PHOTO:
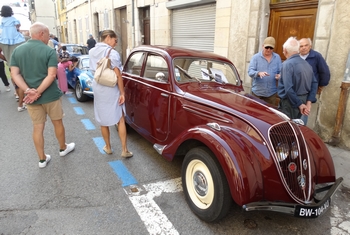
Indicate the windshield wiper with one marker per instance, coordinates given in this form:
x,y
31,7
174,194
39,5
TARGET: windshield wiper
x,y
209,75
185,72
213,78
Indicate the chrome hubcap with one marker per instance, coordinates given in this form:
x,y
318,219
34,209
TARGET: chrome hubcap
x,y
200,183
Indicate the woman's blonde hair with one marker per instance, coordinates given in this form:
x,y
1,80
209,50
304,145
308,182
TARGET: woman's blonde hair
x,y
107,32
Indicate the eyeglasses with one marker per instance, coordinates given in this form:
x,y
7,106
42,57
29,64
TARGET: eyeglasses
x,y
271,48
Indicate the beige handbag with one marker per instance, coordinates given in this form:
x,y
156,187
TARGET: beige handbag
x,y
104,75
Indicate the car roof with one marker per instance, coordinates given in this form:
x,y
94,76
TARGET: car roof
x,y
83,56
174,51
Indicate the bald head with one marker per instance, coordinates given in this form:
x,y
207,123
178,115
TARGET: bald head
x,y
305,46
39,31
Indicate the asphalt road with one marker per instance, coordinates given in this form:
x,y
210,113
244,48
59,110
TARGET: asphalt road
x,y
88,192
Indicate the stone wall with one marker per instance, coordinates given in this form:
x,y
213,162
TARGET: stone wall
x,y
240,28
333,42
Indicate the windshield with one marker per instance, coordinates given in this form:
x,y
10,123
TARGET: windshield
x,y
76,49
204,70
85,63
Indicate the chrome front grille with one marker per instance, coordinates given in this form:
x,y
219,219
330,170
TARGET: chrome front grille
x,y
292,160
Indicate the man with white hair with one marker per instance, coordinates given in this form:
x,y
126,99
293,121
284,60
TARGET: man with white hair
x,y
318,64
298,86
42,93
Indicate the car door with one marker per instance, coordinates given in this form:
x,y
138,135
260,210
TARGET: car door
x,y
72,76
151,99
131,78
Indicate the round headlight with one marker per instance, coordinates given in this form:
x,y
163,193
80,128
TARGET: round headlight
x,y
282,151
294,152
88,82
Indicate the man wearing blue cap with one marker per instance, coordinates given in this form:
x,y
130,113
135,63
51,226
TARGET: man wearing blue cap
x,y
91,42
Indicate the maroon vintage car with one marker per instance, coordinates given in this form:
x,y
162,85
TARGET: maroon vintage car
x,y
192,104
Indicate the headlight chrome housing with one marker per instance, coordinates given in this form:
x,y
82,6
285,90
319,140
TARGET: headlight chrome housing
x,y
282,151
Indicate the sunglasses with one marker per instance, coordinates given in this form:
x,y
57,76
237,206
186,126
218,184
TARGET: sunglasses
x,y
271,48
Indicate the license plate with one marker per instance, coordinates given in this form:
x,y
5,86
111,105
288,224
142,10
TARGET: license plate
x,y
312,211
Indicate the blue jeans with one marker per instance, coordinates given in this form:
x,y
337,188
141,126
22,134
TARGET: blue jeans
x,y
304,118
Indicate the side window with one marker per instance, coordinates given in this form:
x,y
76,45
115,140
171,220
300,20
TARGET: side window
x,y
156,68
134,64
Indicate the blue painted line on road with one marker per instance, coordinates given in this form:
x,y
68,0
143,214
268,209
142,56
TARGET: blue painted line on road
x,y
88,124
100,143
123,173
79,110
72,100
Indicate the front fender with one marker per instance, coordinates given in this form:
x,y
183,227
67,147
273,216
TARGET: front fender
x,y
239,163
325,171
85,82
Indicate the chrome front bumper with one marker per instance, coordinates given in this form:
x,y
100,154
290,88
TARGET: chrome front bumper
x,y
88,92
313,210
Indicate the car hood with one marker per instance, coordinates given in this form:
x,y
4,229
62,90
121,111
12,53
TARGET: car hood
x,y
88,72
234,100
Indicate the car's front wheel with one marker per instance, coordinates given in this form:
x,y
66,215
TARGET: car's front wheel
x,y
81,97
205,186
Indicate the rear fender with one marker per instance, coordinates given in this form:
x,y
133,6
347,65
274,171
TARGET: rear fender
x,y
239,163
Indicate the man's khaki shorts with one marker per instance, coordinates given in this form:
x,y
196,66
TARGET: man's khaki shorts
x,y
38,112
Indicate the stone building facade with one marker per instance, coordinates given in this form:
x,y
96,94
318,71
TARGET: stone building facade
x,y
232,28
45,12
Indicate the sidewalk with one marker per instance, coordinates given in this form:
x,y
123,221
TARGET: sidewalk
x,y
341,159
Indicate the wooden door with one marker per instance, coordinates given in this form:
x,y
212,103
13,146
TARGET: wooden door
x,y
146,26
124,33
292,19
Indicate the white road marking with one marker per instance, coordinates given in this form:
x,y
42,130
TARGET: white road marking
x,y
158,223
154,219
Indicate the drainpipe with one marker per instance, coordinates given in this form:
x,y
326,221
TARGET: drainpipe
x,y
91,28
55,20
133,25
113,17
343,99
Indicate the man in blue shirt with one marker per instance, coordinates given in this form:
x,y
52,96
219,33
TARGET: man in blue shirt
x,y
56,44
318,64
264,69
298,86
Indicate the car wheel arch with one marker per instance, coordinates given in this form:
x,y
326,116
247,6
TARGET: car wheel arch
x,y
234,166
79,95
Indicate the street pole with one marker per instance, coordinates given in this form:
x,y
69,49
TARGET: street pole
x,y
343,99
